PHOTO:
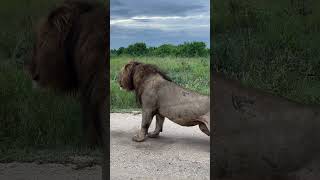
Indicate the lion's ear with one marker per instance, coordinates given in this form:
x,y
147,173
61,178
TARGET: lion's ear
x,y
127,66
134,62
61,19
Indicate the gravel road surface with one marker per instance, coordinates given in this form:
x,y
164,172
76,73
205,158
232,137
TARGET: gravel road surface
x,y
179,152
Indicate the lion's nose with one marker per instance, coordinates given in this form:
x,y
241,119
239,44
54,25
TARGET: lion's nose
x,y
36,77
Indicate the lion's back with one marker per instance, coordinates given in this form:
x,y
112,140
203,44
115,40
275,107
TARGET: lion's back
x,y
175,101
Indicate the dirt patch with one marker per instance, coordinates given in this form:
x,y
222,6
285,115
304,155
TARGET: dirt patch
x,y
24,171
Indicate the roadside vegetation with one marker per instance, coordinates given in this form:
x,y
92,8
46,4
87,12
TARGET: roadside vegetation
x,y
270,45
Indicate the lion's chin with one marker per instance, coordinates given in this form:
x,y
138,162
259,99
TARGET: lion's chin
x,y
35,85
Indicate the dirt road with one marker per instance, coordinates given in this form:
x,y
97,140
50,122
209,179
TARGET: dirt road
x,y
179,152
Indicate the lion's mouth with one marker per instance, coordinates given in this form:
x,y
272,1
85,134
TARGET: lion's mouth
x,y
35,85
120,85
121,88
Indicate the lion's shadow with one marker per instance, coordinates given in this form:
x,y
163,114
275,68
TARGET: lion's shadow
x,y
162,142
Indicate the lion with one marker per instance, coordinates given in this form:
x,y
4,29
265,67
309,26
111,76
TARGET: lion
x,y
70,54
261,135
159,96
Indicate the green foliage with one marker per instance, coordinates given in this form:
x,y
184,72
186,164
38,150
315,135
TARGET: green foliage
x,y
137,49
192,73
164,50
187,49
34,118
271,45
193,49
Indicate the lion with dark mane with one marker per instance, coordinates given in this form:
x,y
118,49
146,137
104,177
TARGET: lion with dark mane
x,y
161,97
70,54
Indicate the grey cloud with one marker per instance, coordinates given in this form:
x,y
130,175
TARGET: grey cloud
x,y
130,8
124,34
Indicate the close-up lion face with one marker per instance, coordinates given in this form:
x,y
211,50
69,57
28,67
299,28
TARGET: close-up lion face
x,y
125,77
44,53
50,63
35,59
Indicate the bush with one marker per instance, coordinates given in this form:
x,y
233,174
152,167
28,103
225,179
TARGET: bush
x,y
188,49
164,50
137,49
193,49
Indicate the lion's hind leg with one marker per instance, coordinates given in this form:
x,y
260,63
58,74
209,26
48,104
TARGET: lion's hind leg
x,y
204,124
204,128
159,125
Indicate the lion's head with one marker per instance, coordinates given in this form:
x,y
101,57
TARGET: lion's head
x,y
51,63
133,75
125,77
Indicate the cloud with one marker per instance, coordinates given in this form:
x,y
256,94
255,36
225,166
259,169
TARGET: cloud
x,y
158,22
165,23
130,8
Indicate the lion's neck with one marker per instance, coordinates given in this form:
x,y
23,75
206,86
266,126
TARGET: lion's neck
x,y
140,83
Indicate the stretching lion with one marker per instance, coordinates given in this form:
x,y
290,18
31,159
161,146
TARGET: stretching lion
x,y
260,135
161,97
70,54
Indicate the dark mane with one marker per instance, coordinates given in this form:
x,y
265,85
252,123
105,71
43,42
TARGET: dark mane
x,y
150,69
141,73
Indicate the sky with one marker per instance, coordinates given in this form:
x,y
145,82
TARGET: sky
x,y
158,22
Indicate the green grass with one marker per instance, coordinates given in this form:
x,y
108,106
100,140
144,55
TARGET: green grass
x,y
36,125
192,73
270,45
35,118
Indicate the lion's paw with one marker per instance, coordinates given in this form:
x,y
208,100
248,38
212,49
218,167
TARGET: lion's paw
x,y
153,134
138,138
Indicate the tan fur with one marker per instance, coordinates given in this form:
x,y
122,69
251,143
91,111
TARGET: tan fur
x,y
161,97
258,134
70,54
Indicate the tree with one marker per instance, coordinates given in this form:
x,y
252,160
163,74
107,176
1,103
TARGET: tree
x,y
137,49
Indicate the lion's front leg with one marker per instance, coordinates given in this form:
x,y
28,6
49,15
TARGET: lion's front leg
x,y
146,121
159,125
204,128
